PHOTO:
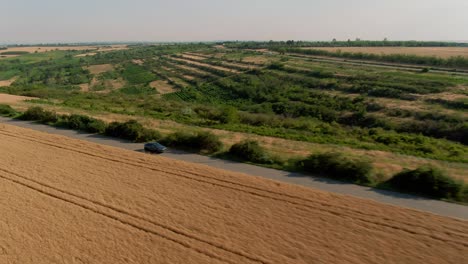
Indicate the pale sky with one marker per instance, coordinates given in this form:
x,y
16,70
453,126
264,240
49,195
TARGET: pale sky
x,y
50,21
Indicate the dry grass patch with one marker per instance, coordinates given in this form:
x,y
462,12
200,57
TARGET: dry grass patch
x,y
163,87
442,52
138,62
256,59
100,68
86,54
9,98
6,83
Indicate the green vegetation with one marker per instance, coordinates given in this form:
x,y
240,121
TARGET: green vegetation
x,y
340,167
429,181
82,123
202,142
131,130
269,94
7,111
14,53
250,150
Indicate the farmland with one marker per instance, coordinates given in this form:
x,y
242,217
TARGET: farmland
x,y
94,203
293,105
442,52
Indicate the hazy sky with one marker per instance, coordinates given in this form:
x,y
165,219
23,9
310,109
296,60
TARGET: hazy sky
x,y
33,21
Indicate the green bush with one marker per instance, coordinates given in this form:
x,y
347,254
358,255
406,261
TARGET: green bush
x,y
427,180
250,150
38,114
6,110
203,142
132,130
83,123
338,166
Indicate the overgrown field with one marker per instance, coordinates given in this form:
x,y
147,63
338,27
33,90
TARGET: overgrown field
x,y
237,88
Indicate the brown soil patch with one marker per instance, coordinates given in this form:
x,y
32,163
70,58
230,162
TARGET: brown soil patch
x,y
9,98
443,52
84,87
79,196
6,83
256,59
163,87
86,54
138,62
97,69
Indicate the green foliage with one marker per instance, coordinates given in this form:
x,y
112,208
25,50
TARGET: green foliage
x,y
39,114
14,53
250,150
136,74
83,123
338,166
6,110
427,180
131,130
203,142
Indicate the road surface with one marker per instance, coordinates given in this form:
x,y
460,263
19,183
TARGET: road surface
x,y
404,200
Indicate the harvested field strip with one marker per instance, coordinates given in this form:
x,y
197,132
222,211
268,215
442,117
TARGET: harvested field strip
x,y
233,65
303,202
248,220
442,52
194,70
122,215
205,65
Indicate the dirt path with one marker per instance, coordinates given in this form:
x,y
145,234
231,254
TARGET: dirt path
x,y
82,202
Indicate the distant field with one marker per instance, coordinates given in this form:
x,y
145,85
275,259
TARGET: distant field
x,y
33,49
442,52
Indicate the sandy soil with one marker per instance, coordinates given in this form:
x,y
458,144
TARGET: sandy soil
x,y
163,87
443,52
100,68
78,202
8,82
138,62
9,98
86,54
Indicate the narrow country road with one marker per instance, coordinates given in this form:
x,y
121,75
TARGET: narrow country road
x,y
398,199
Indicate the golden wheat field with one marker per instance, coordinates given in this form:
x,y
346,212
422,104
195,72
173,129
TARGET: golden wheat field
x,y
67,201
442,52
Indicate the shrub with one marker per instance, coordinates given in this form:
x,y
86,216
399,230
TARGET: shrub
x,y
84,123
250,150
204,142
132,130
38,114
427,180
338,166
6,110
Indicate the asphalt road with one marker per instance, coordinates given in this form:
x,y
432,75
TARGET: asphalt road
x,y
398,199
